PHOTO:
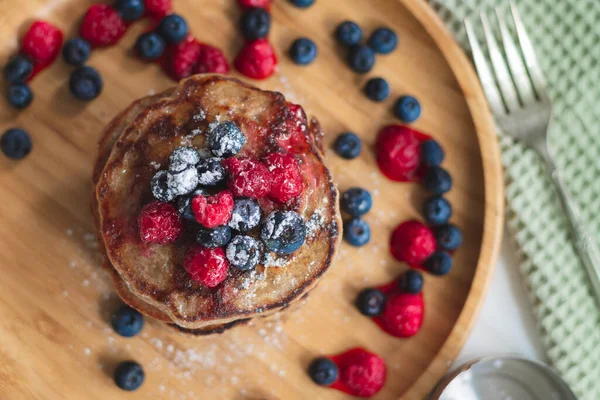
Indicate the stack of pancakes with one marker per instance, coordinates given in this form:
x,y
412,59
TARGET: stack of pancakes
x,y
138,142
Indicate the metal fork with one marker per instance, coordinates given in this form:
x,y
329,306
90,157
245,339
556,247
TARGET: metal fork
x,y
516,92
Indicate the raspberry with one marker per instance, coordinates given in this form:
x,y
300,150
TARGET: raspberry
x,y
213,211
398,154
257,59
246,4
207,266
102,25
42,44
361,373
159,223
211,60
248,178
293,137
412,242
286,182
182,57
402,315
158,8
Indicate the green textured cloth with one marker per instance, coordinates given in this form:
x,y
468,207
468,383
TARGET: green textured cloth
x,y
566,36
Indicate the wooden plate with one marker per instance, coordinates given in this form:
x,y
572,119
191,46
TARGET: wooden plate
x,y
55,302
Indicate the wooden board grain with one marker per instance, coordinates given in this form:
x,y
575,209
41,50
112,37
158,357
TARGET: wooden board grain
x,y
55,342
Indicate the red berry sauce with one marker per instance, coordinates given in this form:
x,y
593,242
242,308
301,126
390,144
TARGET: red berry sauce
x,y
398,154
361,373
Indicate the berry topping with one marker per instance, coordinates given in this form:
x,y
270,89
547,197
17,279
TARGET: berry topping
x,y
213,238
370,302
357,232
19,95
356,201
211,60
245,215
383,40
245,4
130,10
255,23
42,43
248,178
283,232
181,58
158,8
184,182
150,46
361,58
127,321
225,139
303,51
348,33
302,3
213,211
361,373
15,143
402,315
286,179
397,150
412,242
437,210
18,69
210,171
323,371
377,89
85,83
129,375
160,187
184,204
159,223
407,109
207,266
437,180
76,51
244,252
173,28
411,281
256,60
448,237
440,263
182,158
347,145
432,154
102,25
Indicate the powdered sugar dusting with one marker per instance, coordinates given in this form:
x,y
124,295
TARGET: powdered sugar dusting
x,y
315,224
277,261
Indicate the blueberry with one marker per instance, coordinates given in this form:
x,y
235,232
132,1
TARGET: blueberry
x,y
361,59
150,46
172,28
407,109
357,232
440,263
437,210
225,139
184,182
448,237
18,69
302,3
437,180
411,282
377,89
210,171
356,201
160,187
348,33
432,154
129,375
370,302
255,23
323,371
245,215
303,51
130,10
244,252
383,40
85,83
76,51
213,238
182,158
184,204
347,145
15,143
19,95
283,232
127,321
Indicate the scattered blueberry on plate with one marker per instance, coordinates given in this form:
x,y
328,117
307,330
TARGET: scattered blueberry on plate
x,y
255,23
19,95
437,210
407,109
213,238
323,371
76,51
370,302
383,40
437,180
303,51
357,232
439,263
432,153
448,237
18,69
347,145
302,3
377,89
361,58
130,10
15,143
173,28
411,282
348,33
129,375
85,83
356,201
150,46
127,321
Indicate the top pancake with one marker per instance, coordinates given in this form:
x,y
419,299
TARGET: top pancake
x,y
155,272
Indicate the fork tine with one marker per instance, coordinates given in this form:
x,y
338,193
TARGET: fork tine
x,y
537,77
505,82
484,72
515,63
